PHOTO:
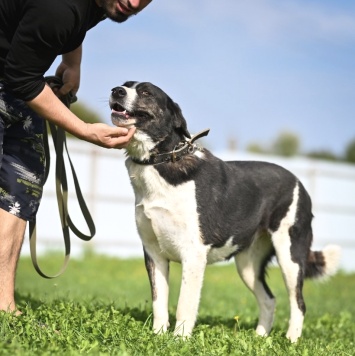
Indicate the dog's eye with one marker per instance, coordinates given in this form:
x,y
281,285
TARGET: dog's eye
x,y
145,93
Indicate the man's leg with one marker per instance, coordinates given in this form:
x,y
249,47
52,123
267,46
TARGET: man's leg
x,y
22,163
12,230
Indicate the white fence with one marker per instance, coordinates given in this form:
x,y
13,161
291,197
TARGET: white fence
x,y
107,191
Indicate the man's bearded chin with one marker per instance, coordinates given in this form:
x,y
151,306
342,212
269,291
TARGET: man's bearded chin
x,y
117,16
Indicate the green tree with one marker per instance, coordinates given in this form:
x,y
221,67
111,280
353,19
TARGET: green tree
x,y
286,144
255,147
323,154
350,152
84,113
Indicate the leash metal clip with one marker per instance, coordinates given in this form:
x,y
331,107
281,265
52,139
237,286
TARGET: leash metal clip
x,y
191,148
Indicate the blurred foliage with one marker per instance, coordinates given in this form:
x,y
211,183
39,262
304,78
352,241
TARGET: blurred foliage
x,y
255,148
323,154
85,113
288,144
350,152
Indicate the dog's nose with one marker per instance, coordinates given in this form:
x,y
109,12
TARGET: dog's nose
x,y
119,92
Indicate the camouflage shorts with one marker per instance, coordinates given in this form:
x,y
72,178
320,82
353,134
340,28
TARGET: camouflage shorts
x,y
22,157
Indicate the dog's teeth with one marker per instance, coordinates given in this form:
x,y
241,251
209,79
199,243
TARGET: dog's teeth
x,y
124,112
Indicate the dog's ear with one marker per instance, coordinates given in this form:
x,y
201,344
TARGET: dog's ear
x,y
178,119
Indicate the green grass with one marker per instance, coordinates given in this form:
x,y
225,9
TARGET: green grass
x,y
101,306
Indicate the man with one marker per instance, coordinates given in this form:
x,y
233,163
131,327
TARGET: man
x,y
32,34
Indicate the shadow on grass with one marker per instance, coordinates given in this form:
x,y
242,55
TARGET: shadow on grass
x,y
27,299
145,316
226,322
137,314
141,314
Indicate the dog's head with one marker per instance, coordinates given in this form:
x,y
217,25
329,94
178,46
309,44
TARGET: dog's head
x,y
159,122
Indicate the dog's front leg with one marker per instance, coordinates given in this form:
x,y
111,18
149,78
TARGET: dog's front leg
x,y
158,272
193,270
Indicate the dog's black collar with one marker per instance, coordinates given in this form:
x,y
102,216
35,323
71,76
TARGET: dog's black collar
x,y
184,148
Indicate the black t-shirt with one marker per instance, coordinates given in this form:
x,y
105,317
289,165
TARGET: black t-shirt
x,y
34,32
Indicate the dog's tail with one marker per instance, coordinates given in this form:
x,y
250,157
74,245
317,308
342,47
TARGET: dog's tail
x,y
323,263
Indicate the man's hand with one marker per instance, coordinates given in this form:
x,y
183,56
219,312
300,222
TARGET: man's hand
x,y
109,137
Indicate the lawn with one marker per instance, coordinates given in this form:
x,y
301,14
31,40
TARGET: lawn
x,y
101,306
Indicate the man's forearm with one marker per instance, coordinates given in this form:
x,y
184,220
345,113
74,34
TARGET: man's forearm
x,y
49,107
69,71
73,58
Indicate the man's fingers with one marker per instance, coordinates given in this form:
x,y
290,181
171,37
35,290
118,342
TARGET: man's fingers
x,y
120,131
122,139
65,89
127,132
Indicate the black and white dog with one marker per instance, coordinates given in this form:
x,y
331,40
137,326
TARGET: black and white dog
x,y
194,208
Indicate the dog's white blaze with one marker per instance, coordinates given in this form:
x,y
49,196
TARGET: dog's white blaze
x,y
217,254
282,243
130,97
135,85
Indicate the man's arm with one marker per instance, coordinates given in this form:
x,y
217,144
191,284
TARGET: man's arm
x,y
49,107
69,72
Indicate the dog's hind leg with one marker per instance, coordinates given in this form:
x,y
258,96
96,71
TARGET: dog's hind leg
x,y
293,276
292,242
251,265
158,272
193,269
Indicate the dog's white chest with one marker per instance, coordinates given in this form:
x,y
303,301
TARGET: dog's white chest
x,y
165,214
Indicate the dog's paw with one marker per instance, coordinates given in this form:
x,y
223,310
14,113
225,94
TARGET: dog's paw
x,y
183,329
160,327
260,330
293,335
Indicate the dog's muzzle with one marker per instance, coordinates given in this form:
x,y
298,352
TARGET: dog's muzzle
x,y
120,115
118,93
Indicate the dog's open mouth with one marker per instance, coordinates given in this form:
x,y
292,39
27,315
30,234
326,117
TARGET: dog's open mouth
x,y
121,117
119,110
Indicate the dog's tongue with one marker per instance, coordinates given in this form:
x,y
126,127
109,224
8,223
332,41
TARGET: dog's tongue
x,y
121,113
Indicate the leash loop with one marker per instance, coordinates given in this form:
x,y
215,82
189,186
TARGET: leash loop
x,y
60,143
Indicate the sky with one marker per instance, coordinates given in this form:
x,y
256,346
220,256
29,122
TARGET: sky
x,y
248,70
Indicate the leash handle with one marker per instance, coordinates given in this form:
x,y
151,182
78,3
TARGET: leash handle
x,y
59,141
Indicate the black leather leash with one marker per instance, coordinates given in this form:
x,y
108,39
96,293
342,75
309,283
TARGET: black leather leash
x,y
59,141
